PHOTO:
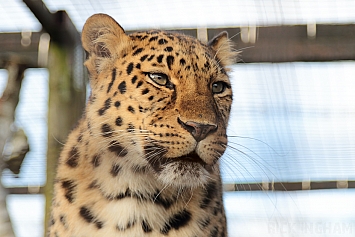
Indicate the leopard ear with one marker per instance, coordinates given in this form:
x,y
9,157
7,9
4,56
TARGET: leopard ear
x,y
223,48
103,39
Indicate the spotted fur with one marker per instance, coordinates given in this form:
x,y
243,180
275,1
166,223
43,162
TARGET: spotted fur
x,y
143,160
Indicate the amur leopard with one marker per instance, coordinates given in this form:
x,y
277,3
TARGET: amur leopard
x,y
144,158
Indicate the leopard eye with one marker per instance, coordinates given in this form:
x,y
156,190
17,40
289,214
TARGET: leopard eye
x,y
159,78
219,87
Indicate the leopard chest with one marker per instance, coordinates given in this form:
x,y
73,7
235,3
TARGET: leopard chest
x,y
100,197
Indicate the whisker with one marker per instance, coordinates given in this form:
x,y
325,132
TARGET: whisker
x,y
258,140
235,143
165,186
188,201
257,163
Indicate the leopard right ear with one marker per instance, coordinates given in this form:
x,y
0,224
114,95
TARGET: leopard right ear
x,y
103,39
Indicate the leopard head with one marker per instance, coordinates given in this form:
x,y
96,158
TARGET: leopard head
x,y
160,100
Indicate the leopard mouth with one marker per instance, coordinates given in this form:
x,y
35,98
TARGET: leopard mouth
x,y
193,157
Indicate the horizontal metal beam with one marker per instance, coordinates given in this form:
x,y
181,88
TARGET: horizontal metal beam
x,y
25,190
289,186
266,186
294,43
272,44
20,47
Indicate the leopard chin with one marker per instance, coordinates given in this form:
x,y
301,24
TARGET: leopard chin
x,y
187,171
184,174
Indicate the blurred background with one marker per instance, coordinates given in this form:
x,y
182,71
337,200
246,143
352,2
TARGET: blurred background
x,y
290,166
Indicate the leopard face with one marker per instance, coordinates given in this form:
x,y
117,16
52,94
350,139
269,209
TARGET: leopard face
x,y
160,101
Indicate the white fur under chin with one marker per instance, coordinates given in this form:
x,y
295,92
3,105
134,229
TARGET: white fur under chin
x,y
184,175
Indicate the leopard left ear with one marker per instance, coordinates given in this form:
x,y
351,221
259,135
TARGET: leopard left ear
x,y
103,39
223,48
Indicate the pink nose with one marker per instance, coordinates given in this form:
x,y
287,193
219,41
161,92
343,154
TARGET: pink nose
x,y
198,130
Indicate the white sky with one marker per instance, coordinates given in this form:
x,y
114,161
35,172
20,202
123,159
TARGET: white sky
x,y
140,14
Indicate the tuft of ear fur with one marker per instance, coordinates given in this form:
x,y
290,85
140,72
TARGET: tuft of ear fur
x,y
223,48
103,39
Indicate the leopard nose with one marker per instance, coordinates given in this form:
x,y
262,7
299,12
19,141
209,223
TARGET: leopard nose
x,y
198,130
